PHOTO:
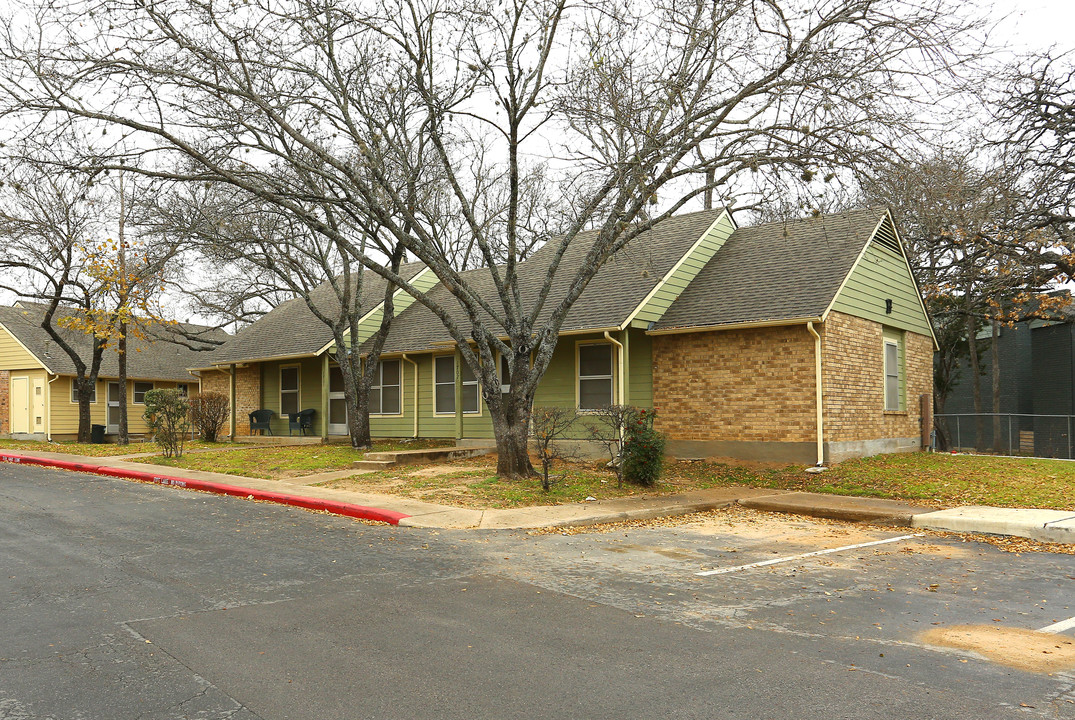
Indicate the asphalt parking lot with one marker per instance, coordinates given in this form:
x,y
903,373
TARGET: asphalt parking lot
x,y
124,600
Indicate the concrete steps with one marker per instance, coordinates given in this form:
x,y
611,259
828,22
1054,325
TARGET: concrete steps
x,y
383,460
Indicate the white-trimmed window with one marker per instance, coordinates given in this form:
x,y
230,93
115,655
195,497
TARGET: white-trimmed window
x,y
140,390
183,389
444,387
289,389
595,386
385,391
892,376
74,392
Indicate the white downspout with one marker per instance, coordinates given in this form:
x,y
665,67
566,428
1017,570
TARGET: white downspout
x,y
817,400
619,355
412,362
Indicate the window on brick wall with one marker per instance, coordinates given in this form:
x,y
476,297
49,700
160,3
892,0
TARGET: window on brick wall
x,y
892,376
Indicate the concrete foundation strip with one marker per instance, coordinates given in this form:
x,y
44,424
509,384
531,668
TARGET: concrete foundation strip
x,y
776,561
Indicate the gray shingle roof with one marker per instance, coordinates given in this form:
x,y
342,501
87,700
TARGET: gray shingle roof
x,y
161,356
775,271
619,287
291,329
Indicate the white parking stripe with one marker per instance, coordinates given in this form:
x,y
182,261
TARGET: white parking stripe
x,y
1060,626
722,571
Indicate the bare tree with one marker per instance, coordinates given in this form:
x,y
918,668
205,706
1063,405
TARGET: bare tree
x,y
608,427
976,266
551,425
1036,112
247,236
45,220
450,127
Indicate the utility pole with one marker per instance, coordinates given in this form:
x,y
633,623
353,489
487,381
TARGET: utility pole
x,y
122,292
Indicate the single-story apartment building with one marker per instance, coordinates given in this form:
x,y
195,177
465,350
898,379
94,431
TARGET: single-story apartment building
x,y
789,341
37,389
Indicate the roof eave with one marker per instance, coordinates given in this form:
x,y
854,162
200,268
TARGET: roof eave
x,y
736,326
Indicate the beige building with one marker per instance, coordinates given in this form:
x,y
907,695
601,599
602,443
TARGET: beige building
x,y
37,389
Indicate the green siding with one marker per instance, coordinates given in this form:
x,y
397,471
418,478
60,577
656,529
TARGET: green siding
x,y
429,424
557,388
882,274
401,301
897,336
309,391
682,275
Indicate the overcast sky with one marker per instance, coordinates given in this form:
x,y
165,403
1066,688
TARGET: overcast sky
x,y
1036,24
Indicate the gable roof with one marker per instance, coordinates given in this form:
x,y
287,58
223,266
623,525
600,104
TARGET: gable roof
x,y
775,272
292,330
163,355
607,303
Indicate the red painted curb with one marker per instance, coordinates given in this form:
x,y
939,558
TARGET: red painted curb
x,y
332,506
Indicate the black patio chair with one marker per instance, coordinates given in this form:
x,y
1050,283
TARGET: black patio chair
x,y
259,420
302,421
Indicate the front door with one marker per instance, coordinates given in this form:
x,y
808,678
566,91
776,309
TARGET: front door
x,y
337,404
112,411
20,405
37,404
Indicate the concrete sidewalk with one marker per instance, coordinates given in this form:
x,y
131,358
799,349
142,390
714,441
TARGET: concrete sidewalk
x,y
1043,525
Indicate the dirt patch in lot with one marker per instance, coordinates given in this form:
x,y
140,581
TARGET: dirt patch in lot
x,y
438,470
1013,647
815,534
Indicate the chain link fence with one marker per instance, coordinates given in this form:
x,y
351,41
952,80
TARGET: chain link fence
x,y
1046,436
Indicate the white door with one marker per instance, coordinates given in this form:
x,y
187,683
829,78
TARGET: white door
x,y
37,403
20,405
112,411
337,404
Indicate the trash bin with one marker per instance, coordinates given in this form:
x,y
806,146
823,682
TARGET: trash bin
x,y
97,433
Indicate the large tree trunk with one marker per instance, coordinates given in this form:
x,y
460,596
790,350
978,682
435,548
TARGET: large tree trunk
x,y
510,415
940,424
995,356
358,423
83,411
124,436
976,382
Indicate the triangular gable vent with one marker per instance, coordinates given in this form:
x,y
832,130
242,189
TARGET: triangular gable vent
x,y
886,236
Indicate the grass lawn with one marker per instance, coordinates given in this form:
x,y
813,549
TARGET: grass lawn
x,y
929,479
102,450
274,463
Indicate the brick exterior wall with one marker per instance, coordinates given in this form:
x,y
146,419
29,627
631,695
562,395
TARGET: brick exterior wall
x,y
247,392
5,402
853,381
737,385
758,384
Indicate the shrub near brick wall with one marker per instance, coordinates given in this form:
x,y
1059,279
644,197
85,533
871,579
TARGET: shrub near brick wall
x,y
736,385
247,393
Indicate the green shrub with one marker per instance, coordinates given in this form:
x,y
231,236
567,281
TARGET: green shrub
x,y
168,415
643,450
